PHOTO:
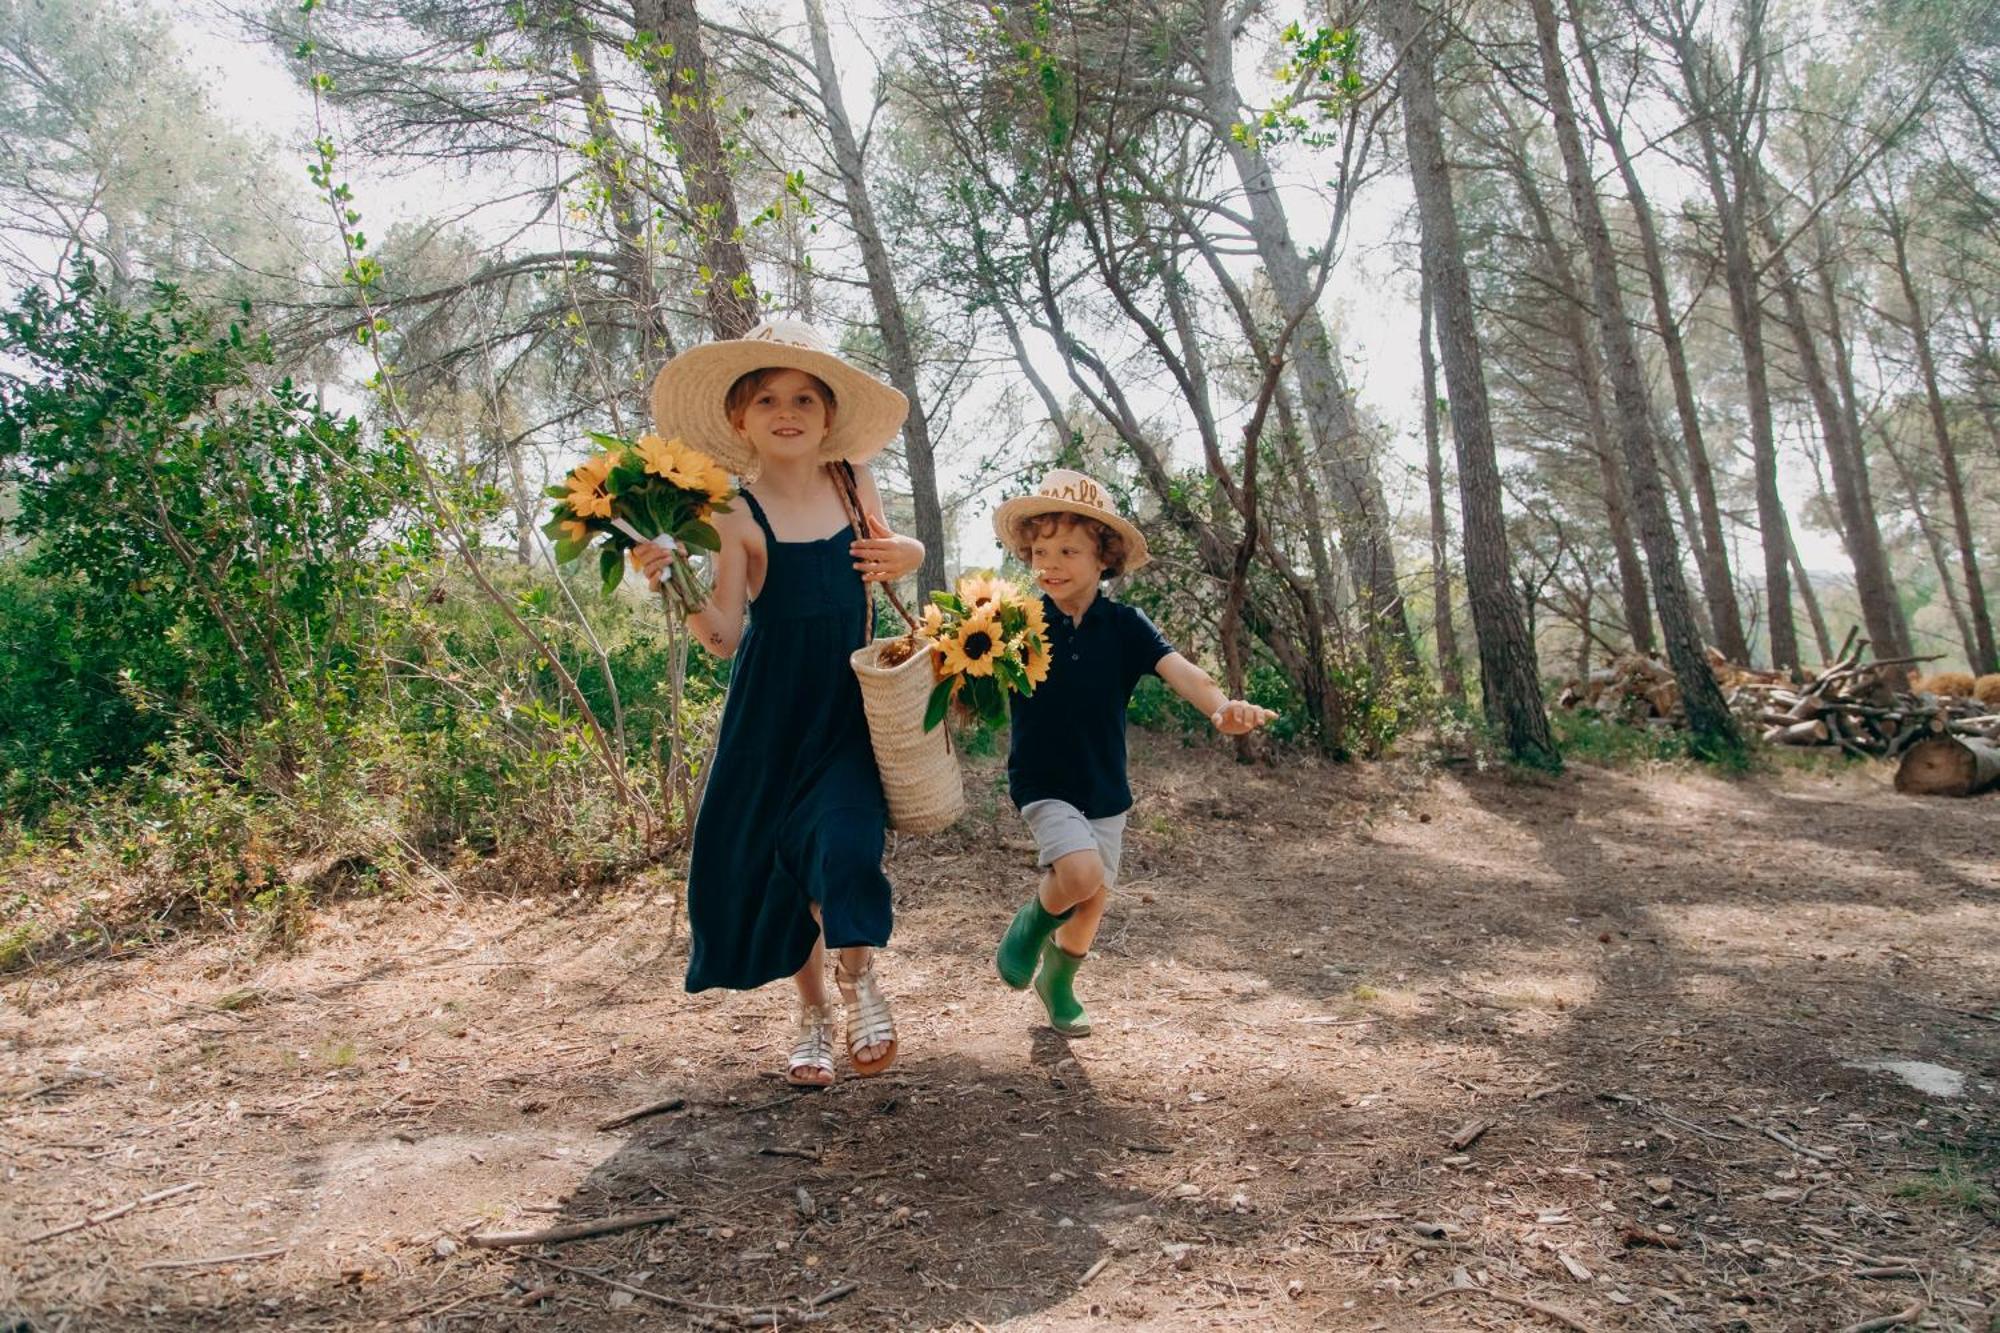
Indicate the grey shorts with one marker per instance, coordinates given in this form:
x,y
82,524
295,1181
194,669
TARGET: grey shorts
x,y
1060,828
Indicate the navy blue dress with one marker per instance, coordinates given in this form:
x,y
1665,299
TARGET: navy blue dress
x,y
793,813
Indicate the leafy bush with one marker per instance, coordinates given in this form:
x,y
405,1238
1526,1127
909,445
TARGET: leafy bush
x,y
204,532
69,716
240,670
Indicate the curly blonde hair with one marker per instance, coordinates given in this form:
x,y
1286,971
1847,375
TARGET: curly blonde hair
x,y
1110,543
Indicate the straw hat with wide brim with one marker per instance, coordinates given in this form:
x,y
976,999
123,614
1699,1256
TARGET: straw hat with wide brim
x,y
688,395
1067,492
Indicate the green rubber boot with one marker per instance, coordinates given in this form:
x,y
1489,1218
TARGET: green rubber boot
x,y
1052,983
1015,959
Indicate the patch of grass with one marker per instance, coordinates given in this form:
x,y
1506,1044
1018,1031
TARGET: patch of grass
x,y
1955,1184
1814,760
15,942
340,1055
1587,736
1363,993
247,998
979,739
1590,737
1523,999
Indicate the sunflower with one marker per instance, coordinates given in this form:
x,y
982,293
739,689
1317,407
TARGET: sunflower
x,y
977,590
1038,620
574,531
715,480
971,650
1035,657
587,496
675,463
933,622
660,456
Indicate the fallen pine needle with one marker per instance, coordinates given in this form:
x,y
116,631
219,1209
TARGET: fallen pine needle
x,y
676,1302
1775,1137
575,1231
1909,1316
110,1213
1548,1311
641,1112
770,1318
220,1259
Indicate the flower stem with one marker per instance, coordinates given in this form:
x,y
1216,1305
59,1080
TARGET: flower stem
x,y
686,590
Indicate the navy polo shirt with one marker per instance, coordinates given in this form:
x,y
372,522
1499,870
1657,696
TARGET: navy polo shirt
x,y
1068,737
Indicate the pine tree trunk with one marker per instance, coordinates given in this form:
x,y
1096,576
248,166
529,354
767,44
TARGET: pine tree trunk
x,y
1509,677
1940,559
1353,488
1670,465
1711,550
1326,587
1590,383
889,313
1984,659
1746,313
1708,713
1850,404
1809,598
1873,582
1451,668
634,269
687,102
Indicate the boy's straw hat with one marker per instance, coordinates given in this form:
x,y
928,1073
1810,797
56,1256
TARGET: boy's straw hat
x,y
1067,492
688,395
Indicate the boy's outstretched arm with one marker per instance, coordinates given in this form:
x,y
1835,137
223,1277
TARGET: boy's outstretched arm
x,y
1232,717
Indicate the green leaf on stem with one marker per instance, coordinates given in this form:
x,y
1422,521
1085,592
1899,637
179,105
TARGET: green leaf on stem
x,y
940,701
1010,672
699,534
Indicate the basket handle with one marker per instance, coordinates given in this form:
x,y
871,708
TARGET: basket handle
x,y
850,499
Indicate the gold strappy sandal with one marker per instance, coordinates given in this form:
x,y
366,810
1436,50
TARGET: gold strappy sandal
x,y
869,1022
812,1047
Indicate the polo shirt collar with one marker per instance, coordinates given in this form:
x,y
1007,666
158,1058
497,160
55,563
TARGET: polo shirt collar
x,y
1059,616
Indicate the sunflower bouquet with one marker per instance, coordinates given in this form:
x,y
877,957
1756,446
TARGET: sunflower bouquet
x,y
632,492
987,641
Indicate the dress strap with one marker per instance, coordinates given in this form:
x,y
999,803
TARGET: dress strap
x,y
757,512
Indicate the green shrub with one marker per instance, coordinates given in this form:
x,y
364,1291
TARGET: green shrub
x,y
71,716
1587,736
204,530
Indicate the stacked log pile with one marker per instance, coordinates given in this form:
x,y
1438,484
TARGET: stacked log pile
x,y
1870,709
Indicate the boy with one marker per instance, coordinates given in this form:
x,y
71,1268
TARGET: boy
x,y
1066,758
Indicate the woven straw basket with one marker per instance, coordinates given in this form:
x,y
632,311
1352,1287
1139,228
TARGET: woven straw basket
x,y
919,768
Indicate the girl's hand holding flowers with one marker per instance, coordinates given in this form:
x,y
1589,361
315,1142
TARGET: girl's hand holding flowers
x,y
651,500
652,559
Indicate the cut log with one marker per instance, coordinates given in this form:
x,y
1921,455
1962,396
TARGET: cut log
x,y
1798,733
1949,766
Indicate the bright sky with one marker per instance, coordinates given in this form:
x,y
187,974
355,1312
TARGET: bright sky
x,y
1371,300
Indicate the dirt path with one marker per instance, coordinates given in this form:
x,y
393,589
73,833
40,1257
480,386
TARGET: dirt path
x,y
1650,990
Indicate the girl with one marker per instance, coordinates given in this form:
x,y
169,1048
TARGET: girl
x,y
787,859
